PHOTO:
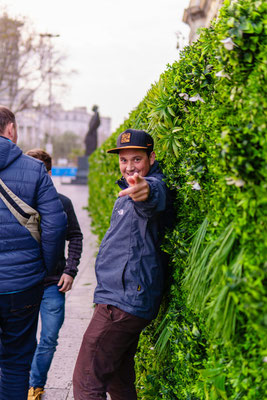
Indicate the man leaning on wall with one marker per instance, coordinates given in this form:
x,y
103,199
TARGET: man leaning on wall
x,y
24,261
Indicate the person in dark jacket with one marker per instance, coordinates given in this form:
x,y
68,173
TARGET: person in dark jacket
x,y
52,308
130,275
24,262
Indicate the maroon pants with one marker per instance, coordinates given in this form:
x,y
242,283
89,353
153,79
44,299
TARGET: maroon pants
x,y
106,359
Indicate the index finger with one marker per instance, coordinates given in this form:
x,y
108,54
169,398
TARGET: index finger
x,y
127,191
64,287
134,179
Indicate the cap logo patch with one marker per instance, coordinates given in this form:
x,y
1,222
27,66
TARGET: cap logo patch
x,y
126,137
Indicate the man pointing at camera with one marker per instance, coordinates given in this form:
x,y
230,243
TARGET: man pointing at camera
x,y
130,275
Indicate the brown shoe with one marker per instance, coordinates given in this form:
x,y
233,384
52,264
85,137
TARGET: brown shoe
x,y
35,393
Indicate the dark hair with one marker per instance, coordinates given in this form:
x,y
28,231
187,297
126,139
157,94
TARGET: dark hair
x,y
41,155
148,152
6,117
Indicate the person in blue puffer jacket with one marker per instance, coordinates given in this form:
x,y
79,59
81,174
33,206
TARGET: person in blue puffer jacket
x,y
130,274
23,261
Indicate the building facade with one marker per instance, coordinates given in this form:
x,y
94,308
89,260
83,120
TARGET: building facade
x,y
35,126
199,14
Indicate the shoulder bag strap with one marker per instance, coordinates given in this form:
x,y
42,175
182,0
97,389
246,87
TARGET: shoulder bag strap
x,y
26,215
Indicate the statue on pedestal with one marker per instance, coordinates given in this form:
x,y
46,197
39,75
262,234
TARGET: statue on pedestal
x,y
91,136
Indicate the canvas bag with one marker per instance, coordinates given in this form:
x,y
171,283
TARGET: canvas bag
x,y
26,215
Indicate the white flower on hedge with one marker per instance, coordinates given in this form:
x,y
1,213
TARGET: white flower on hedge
x,y
151,348
236,182
222,74
264,359
195,185
184,96
228,43
196,98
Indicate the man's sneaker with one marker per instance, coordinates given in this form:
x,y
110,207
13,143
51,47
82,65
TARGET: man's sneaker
x,y
35,393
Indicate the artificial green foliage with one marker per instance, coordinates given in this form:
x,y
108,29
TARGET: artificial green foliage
x,y
207,114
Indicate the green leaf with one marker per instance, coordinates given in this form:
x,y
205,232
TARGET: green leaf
x,y
171,111
177,129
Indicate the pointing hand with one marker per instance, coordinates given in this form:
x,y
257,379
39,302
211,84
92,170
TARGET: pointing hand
x,y
139,188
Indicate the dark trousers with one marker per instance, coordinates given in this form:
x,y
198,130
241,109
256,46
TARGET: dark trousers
x,y
18,325
106,359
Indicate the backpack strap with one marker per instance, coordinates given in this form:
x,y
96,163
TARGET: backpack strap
x,y
26,215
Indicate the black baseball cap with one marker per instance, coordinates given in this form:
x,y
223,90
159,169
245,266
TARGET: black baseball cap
x,y
133,139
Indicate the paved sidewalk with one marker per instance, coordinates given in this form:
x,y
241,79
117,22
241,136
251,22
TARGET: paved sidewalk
x,y
79,306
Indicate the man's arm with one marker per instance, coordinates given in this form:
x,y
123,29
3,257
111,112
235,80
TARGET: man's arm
x,y
148,193
74,236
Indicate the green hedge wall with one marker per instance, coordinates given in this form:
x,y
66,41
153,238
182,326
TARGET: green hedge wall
x,y
207,116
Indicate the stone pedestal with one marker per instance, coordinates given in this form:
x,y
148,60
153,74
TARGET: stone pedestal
x,y
81,177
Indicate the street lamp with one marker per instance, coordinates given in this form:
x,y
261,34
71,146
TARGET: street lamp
x,y
49,146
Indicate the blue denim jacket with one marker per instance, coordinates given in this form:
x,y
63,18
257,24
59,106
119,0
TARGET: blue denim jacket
x,y
129,266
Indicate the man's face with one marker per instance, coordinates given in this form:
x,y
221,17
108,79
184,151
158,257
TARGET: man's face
x,y
134,160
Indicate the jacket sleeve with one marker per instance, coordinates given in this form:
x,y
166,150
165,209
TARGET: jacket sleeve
x,y
53,221
156,201
75,237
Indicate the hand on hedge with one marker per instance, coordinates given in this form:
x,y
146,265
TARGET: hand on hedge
x,y
139,188
66,282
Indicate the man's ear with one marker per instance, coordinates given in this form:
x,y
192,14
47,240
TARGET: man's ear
x,y
152,158
10,132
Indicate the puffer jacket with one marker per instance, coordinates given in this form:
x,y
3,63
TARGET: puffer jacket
x,y
23,261
129,265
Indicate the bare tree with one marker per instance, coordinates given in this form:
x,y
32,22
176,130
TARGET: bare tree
x,y
29,61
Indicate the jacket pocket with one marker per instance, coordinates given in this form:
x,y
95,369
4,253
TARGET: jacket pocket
x,y
135,292
110,277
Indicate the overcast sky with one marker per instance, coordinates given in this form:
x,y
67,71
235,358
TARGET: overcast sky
x,y
118,47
